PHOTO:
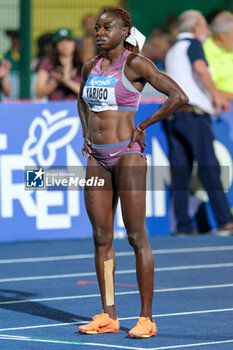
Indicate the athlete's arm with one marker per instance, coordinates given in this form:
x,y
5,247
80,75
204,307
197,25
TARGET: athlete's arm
x,y
140,69
83,109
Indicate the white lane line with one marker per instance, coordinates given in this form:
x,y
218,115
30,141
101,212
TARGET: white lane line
x,y
3,337
199,312
47,258
193,267
34,278
119,272
84,296
127,253
20,338
43,326
180,314
192,345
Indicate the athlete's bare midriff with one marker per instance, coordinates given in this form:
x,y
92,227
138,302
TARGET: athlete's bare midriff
x,y
110,126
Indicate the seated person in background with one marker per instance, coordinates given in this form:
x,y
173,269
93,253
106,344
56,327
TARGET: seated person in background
x,y
13,54
45,48
5,67
170,27
156,48
219,53
87,44
59,77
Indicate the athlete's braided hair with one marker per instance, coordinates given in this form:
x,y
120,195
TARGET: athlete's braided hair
x,y
125,16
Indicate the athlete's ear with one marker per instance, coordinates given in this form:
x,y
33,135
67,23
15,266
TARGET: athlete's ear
x,y
125,32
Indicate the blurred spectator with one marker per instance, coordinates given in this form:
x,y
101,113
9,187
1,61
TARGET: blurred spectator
x,y
45,48
160,41
189,130
87,44
5,67
219,53
212,14
170,27
13,54
59,77
156,47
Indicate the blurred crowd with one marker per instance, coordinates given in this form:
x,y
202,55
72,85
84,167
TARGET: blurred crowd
x,y
60,56
56,69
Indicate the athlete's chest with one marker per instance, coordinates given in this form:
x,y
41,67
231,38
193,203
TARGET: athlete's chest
x,y
100,90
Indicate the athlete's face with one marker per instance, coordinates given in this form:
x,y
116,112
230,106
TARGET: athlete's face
x,y
110,31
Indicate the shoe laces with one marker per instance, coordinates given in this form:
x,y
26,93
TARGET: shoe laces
x,y
100,316
144,322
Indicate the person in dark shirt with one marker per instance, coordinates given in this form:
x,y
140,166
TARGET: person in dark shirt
x,y
59,77
45,49
13,54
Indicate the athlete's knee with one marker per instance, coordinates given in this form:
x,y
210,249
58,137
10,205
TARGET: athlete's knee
x,y
102,237
136,239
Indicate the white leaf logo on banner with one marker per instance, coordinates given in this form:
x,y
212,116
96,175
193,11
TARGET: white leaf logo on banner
x,y
48,134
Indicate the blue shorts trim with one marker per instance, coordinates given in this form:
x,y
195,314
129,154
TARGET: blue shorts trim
x,y
111,145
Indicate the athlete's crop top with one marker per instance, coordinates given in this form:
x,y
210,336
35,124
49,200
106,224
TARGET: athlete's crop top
x,y
110,89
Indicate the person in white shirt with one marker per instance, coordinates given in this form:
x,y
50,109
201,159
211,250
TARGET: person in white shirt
x,y
189,130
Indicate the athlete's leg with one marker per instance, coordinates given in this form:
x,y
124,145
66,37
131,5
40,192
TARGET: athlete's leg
x,y
130,180
101,205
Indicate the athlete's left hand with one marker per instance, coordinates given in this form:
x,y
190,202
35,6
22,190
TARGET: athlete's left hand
x,y
86,147
137,136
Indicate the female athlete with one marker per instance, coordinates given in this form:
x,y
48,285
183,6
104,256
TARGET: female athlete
x,y
109,96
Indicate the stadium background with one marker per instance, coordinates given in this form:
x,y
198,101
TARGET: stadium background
x,y
35,17
50,217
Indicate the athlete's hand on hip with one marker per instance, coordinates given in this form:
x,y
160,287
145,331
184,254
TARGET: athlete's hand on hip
x,y
137,136
86,147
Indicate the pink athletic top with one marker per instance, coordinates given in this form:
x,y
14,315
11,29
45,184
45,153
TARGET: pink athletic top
x,y
110,89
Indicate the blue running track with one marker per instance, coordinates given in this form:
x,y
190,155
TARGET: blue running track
x,y
48,288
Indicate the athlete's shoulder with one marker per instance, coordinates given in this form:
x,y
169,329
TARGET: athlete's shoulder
x,y
136,58
137,61
87,67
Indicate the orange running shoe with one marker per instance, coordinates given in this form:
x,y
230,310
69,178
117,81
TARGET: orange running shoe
x,y
100,324
145,328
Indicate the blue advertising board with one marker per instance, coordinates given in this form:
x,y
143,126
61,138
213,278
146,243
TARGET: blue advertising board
x,y
49,135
